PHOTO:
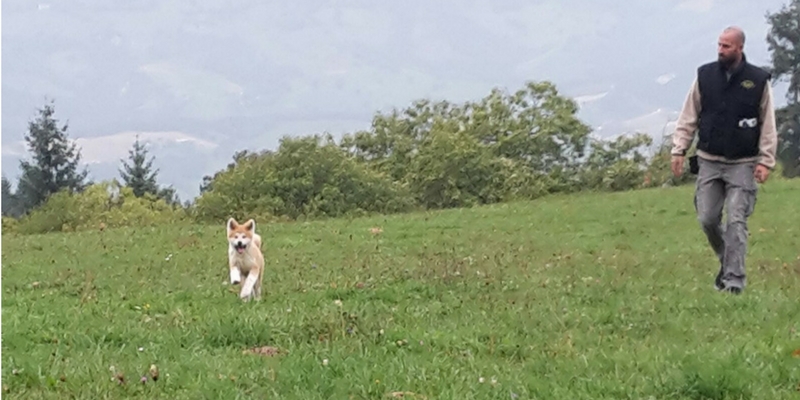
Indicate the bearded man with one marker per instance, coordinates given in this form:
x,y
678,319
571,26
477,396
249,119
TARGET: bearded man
x,y
730,106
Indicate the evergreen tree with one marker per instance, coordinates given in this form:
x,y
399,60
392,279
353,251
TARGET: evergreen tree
x,y
784,43
139,174
10,205
169,195
55,162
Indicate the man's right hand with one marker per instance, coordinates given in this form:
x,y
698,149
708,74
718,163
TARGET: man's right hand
x,y
677,165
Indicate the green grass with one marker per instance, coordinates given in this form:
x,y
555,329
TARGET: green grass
x,y
595,296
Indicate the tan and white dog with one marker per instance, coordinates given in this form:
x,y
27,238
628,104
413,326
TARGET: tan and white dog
x,y
245,258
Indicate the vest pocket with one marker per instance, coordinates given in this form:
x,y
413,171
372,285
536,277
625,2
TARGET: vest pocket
x,y
747,106
744,141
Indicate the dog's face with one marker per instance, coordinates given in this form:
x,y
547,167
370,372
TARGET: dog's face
x,y
240,235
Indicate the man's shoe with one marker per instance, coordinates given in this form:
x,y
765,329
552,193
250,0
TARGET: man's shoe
x,y
733,290
718,282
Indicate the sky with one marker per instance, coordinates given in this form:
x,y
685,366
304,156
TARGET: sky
x,y
200,80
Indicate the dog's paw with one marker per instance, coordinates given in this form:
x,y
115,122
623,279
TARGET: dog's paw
x,y
236,276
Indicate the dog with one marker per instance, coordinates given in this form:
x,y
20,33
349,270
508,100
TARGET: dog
x,y
245,258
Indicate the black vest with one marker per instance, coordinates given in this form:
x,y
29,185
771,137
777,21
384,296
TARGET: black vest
x,y
729,121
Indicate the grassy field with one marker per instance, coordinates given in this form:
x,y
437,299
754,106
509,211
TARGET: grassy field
x,y
596,296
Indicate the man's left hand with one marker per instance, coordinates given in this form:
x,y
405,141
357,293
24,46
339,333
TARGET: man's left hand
x,y
761,173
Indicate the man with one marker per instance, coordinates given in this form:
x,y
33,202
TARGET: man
x,y
730,105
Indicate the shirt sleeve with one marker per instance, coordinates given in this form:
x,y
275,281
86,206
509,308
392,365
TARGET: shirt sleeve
x,y
687,122
768,143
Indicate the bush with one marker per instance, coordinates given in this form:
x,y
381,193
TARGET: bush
x,y
307,177
10,225
105,203
451,170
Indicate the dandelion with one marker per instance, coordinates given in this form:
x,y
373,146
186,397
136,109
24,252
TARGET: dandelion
x,y
481,380
325,362
153,372
337,302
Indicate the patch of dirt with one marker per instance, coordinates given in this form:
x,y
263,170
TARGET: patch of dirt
x,y
266,351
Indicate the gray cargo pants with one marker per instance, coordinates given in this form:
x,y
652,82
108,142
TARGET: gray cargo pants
x,y
734,186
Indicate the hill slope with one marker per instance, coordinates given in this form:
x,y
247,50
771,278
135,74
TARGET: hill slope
x,y
574,297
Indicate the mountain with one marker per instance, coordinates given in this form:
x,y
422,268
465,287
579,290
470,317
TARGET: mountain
x,y
201,80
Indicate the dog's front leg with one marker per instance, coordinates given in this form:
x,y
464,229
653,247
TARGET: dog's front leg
x,y
248,286
257,289
236,275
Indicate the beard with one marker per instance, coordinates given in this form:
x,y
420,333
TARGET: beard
x,y
726,61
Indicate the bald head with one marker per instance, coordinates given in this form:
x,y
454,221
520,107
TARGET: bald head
x,y
730,46
735,33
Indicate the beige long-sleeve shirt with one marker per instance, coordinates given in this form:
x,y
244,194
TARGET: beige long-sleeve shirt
x,y
687,127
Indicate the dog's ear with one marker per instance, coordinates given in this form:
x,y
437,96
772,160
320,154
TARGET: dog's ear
x,y
250,225
232,224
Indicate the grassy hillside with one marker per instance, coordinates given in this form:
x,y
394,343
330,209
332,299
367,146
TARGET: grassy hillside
x,y
601,296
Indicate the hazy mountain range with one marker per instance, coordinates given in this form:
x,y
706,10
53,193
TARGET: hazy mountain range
x,y
200,80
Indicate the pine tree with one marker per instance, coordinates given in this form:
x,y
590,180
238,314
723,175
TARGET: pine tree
x,y
55,162
139,174
784,44
169,195
10,205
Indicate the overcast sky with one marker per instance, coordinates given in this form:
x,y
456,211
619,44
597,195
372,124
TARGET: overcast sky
x,y
196,77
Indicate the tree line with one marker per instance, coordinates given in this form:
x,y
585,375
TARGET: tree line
x,y
431,155
54,167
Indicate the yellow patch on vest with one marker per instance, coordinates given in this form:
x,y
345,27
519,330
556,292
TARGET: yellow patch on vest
x,y
748,84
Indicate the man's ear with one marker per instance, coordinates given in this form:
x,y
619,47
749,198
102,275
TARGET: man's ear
x,y
232,224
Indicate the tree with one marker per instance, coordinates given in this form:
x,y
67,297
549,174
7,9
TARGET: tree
x,y
239,157
10,203
535,127
55,162
453,169
169,195
307,176
432,155
139,174
784,44
788,121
